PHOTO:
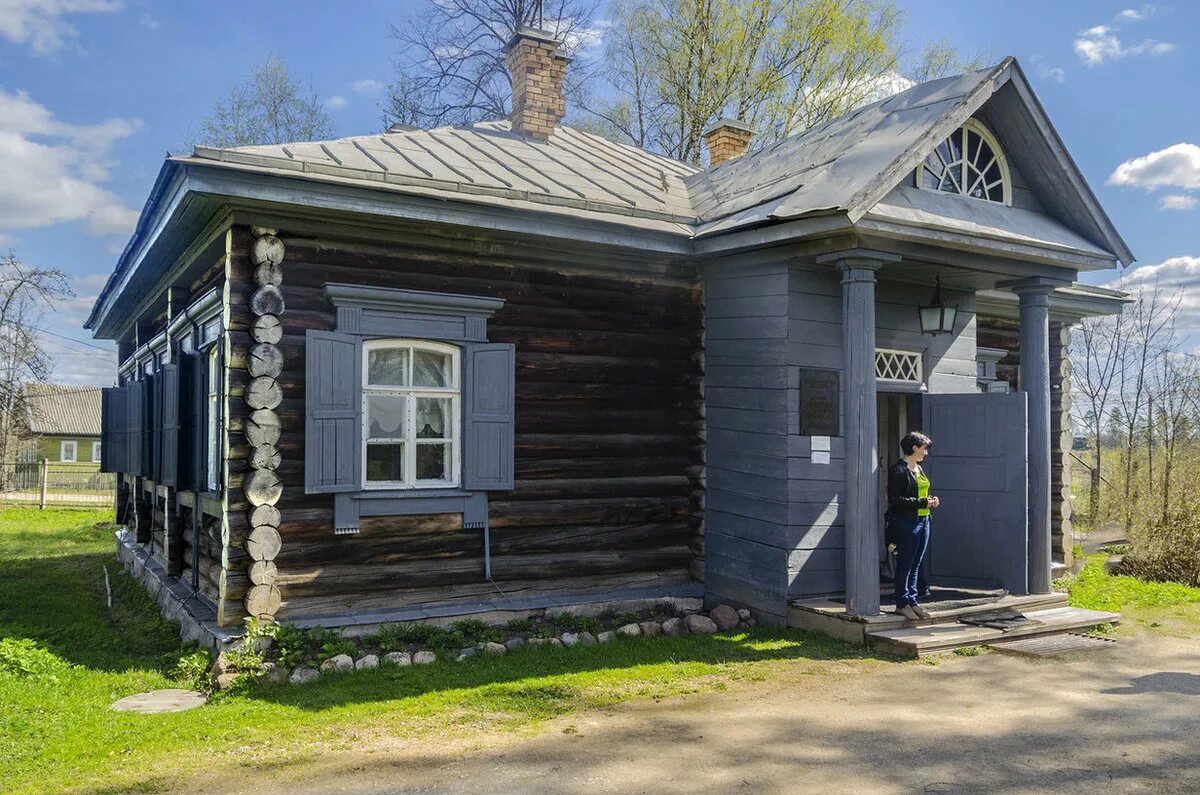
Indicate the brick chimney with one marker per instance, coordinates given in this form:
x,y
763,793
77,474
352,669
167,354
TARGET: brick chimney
x,y
726,139
538,104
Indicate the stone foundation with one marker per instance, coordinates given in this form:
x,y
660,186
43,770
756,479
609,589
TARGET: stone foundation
x,y
196,616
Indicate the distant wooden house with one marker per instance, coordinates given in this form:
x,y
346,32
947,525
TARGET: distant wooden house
x,y
63,424
515,365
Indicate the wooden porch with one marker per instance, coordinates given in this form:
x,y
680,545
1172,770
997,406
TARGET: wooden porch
x,y
948,629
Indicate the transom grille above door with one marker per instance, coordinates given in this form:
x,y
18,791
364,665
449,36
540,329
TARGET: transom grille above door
x,y
891,365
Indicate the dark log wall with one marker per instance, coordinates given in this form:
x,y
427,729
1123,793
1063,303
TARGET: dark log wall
x,y
998,333
608,436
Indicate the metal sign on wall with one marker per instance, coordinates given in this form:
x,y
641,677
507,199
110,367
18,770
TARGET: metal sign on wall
x,y
820,402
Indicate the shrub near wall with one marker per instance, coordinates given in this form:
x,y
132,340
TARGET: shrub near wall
x,y
1166,550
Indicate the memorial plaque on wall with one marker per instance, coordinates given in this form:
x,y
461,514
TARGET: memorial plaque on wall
x,y
820,402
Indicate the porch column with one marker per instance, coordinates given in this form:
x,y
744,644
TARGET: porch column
x,y
860,495
1034,376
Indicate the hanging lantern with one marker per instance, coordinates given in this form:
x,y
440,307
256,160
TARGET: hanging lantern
x,y
937,318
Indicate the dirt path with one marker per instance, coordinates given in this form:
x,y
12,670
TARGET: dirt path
x,y
1121,720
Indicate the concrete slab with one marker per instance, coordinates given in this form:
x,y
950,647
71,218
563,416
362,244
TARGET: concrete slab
x,y
159,701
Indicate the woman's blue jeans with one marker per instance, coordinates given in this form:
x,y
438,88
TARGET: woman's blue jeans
x,y
913,534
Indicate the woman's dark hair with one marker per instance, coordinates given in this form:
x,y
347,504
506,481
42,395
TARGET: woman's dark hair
x,y
913,440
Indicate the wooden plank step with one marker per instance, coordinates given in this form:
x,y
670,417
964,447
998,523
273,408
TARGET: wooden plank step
x,y
1052,645
919,641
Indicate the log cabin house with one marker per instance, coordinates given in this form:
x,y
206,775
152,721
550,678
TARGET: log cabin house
x,y
515,365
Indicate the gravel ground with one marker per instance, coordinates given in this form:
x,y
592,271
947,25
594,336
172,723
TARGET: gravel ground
x,y
1119,720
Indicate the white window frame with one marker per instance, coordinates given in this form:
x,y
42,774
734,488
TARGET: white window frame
x,y
73,446
454,392
212,412
964,190
95,452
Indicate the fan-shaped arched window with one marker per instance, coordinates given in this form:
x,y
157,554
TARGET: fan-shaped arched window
x,y
969,163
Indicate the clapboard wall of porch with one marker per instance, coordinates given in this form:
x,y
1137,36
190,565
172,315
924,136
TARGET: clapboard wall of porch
x,y
608,435
773,525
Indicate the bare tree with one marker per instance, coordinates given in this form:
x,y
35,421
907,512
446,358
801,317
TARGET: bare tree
x,y
1150,327
270,107
1098,354
1176,388
25,292
451,67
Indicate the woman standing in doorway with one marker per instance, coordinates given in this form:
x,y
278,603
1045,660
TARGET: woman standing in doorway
x,y
910,504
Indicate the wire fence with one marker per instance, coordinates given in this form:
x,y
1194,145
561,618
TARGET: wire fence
x,y
48,484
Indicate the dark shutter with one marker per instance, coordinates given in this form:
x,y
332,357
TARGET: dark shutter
x,y
490,374
192,383
169,412
113,433
154,429
133,424
333,397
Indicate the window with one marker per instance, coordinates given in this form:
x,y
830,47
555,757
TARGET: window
x,y
212,413
969,163
67,452
411,414
95,452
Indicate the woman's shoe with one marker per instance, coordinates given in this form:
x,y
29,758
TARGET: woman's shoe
x,y
922,612
908,613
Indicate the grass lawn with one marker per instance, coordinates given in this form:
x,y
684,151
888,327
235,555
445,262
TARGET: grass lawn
x,y
1162,606
65,657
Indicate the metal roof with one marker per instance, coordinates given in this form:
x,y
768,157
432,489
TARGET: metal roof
x,y
827,166
572,168
57,410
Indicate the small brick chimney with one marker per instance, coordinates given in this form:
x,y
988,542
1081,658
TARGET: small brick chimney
x,y
726,139
538,104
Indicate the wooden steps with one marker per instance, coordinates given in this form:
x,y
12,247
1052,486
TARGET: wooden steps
x,y
933,637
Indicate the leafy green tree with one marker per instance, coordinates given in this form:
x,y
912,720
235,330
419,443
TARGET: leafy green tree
x,y
270,107
781,66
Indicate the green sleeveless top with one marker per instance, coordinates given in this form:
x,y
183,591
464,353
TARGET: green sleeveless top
x,y
922,490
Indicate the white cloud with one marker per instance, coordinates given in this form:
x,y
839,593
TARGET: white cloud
x,y
1053,73
76,358
1178,201
53,169
1177,166
366,86
41,23
336,103
1137,14
1176,273
1101,43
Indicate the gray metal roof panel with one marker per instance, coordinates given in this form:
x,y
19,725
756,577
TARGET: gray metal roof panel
x,y
59,410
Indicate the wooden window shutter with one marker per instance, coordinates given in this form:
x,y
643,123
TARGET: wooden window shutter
x,y
169,414
114,435
148,425
192,383
333,415
488,416
156,420
133,424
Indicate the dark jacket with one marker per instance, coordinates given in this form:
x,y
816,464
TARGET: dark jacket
x,y
903,501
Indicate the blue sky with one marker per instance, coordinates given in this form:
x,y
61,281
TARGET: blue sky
x,y
94,92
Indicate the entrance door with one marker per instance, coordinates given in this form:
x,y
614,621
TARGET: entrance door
x,y
978,466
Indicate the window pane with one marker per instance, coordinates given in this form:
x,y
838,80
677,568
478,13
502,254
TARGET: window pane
x,y
385,462
433,418
386,416
433,462
387,367
431,369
